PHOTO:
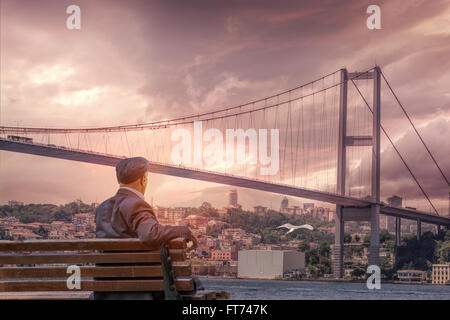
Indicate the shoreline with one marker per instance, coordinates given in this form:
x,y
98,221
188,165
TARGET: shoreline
x,y
319,280
310,280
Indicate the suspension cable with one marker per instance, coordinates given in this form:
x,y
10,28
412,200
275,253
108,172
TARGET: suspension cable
x,y
184,120
414,127
397,151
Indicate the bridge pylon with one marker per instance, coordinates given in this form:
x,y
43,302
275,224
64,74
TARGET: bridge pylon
x,y
345,213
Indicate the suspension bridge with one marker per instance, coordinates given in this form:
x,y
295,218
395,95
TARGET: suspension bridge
x,y
329,149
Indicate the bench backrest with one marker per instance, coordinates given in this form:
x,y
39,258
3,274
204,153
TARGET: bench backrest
x,y
105,265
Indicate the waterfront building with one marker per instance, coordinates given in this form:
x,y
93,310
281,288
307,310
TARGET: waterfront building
x,y
440,274
269,264
411,275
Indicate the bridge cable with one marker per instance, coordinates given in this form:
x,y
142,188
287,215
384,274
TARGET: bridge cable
x,y
414,127
397,151
157,125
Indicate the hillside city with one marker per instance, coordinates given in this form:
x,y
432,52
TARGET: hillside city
x,y
223,233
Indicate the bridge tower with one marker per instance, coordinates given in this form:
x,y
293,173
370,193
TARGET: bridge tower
x,y
371,213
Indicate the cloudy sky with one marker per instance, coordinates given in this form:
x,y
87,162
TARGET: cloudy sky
x,y
135,61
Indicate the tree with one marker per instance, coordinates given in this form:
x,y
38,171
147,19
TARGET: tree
x,y
385,236
444,252
324,249
347,238
359,271
313,257
62,215
367,240
386,268
42,232
417,254
304,246
357,238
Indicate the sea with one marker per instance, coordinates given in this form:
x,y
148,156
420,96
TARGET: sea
x,y
249,289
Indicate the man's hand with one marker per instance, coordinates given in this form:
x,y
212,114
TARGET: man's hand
x,y
194,243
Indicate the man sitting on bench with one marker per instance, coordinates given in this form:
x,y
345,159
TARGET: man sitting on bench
x,y
128,215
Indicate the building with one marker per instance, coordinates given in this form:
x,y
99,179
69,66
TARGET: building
x,y
294,210
220,255
211,242
388,222
15,203
306,206
320,213
216,225
196,220
269,264
233,232
233,198
411,275
331,215
175,214
440,274
83,221
24,235
395,201
260,209
284,205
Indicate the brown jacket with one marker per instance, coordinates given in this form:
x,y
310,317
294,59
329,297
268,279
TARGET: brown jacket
x,y
125,215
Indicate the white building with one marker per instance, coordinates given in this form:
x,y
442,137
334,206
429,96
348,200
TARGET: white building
x,y
269,264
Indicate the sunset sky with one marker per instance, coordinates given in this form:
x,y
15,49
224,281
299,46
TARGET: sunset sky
x,y
135,61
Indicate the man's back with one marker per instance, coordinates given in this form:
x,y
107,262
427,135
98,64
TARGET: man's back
x,y
126,215
109,220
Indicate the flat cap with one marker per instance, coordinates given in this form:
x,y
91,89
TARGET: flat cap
x,y
131,169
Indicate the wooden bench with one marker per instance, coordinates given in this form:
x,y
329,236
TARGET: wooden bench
x,y
39,269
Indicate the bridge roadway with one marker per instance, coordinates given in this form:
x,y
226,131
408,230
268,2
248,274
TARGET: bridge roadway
x,y
61,152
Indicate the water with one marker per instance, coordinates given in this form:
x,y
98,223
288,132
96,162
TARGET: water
x,y
246,289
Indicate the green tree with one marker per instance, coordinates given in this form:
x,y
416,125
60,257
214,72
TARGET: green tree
x,y
385,236
359,271
366,241
42,232
304,246
347,238
444,252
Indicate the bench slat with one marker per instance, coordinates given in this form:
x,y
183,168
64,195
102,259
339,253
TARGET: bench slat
x,y
91,272
95,285
84,258
46,295
88,244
